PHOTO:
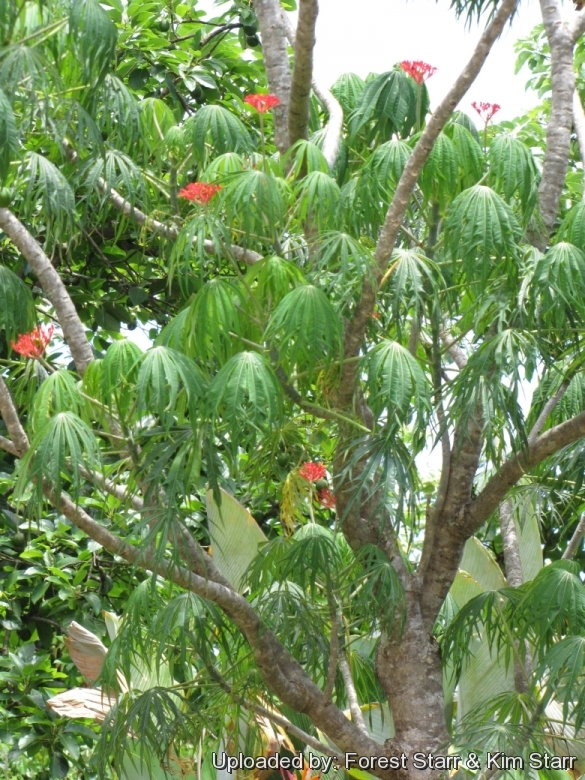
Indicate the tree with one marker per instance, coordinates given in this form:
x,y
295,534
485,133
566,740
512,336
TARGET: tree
x,y
335,282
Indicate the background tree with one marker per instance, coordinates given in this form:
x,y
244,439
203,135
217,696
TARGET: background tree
x,y
335,282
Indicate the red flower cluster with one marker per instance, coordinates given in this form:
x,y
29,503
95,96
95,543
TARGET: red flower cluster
x,y
326,498
33,344
486,110
262,103
199,192
420,71
312,471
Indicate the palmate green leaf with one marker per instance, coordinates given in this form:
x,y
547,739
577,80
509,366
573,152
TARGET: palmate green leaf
x,y
319,196
342,254
413,277
564,669
246,394
274,278
217,127
384,168
47,185
390,100
255,201
394,380
168,382
379,586
480,226
188,254
554,605
58,451
58,393
157,118
211,318
348,89
17,308
512,168
306,329
439,176
572,228
223,166
94,37
118,376
8,136
118,113
558,280
305,157
470,157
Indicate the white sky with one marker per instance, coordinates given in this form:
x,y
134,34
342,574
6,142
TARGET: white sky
x,y
372,35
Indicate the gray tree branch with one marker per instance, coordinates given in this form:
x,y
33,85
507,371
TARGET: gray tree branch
x,y
577,26
300,91
53,287
274,50
579,125
575,541
558,134
332,133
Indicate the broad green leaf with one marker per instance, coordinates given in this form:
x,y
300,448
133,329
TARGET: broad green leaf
x,y
63,446
274,278
235,537
439,176
305,157
305,329
512,168
480,230
255,202
572,228
394,380
319,197
348,89
168,384
95,36
210,322
390,100
120,368
8,136
17,308
58,393
246,394
222,130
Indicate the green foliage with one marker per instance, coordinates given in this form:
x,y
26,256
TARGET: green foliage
x,y
17,309
8,136
389,101
305,329
480,229
94,35
218,127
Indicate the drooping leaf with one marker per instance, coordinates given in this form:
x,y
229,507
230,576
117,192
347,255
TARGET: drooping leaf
x,y
394,380
58,393
168,383
120,367
47,185
62,447
211,319
558,280
17,308
470,158
480,228
222,130
246,394
512,168
390,100
306,329
348,89
572,228
8,136
439,175
319,197
255,202
274,279
94,35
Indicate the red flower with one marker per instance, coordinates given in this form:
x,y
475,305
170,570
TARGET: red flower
x,y
33,344
262,103
326,498
420,71
486,110
199,192
312,471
